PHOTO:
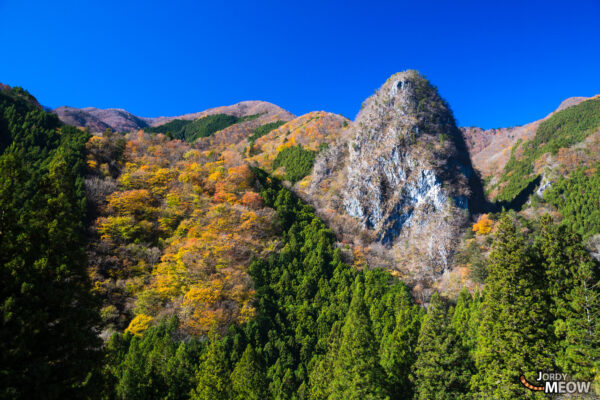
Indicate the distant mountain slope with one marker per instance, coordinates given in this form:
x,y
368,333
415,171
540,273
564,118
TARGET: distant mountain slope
x,y
241,109
121,120
490,149
99,120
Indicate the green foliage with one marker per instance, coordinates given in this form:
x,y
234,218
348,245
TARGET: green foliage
x,y
397,349
563,129
357,374
514,335
569,126
213,375
262,131
248,381
465,319
173,129
442,369
303,295
298,162
577,198
154,366
190,131
48,342
573,285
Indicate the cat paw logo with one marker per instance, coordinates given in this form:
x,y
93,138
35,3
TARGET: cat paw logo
x,y
556,383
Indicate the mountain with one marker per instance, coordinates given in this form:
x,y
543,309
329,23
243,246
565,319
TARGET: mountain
x,y
99,120
395,183
242,109
490,148
260,255
120,120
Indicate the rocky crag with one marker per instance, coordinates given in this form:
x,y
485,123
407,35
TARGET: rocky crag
x,y
401,173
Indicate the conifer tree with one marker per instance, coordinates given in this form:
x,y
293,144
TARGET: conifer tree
x,y
213,375
573,285
461,320
441,369
49,318
398,350
248,381
357,374
321,374
514,337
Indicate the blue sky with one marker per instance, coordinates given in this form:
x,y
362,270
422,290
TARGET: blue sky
x,y
497,63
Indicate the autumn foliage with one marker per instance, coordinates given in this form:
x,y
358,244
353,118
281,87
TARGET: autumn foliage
x,y
483,225
177,233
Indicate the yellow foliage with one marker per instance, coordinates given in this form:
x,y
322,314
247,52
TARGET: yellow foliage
x,y
483,225
247,312
139,324
284,146
131,202
215,176
195,211
159,180
207,294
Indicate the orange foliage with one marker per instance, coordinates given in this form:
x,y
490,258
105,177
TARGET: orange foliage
x,y
483,225
252,200
175,232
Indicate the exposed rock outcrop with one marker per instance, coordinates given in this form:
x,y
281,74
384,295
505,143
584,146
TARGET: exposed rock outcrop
x,y
402,172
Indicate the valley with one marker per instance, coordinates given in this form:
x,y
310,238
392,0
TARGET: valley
x,y
245,252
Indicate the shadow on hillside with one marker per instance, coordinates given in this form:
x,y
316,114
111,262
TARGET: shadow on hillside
x,y
478,202
519,201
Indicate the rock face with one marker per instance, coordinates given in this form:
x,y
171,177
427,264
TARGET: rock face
x,y
405,174
402,164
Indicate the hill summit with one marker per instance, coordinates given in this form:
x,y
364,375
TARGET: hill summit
x,y
401,173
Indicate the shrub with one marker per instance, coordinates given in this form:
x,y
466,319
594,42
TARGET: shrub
x,y
296,160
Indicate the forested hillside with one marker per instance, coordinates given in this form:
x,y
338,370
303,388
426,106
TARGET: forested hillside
x,y
160,264
562,130
48,335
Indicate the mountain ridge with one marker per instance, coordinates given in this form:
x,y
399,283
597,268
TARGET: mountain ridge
x,y
121,120
490,148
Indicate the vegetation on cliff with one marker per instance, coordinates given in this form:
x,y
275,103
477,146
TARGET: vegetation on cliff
x,y
562,130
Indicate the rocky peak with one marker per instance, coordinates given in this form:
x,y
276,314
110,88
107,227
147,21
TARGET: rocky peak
x,y
403,167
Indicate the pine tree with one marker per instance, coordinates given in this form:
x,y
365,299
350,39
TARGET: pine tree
x,y
573,285
462,319
514,337
441,369
398,350
357,374
322,371
248,381
213,375
49,346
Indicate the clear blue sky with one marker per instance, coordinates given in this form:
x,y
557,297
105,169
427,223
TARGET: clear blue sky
x,y
498,63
